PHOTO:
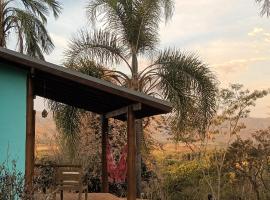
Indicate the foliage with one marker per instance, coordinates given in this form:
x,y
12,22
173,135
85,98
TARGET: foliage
x,y
265,7
246,168
234,104
249,160
11,182
136,23
207,170
179,179
45,177
190,86
27,20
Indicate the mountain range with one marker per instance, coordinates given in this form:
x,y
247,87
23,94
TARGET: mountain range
x,y
46,131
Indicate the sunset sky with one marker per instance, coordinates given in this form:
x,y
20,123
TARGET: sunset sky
x,y
229,35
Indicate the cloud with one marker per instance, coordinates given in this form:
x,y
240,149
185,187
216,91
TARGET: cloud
x,y
193,19
256,31
59,41
238,65
260,34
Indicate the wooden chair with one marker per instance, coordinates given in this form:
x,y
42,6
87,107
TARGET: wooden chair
x,y
69,178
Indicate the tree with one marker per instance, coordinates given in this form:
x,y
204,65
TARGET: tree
x,y
27,19
249,159
233,105
265,7
131,32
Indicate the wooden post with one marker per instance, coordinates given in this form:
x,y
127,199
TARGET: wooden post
x,y
131,158
30,136
33,142
104,130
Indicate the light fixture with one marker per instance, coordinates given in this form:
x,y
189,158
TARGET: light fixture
x,y
44,113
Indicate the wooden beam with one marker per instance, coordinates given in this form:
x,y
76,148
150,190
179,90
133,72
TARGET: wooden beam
x,y
131,157
30,136
123,110
104,130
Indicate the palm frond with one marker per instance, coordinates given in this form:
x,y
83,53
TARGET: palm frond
x,y
7,21
28,21
55,6
136,22
68,118
41,8
190,86
35,36
265,7
98,45
88,67
37,8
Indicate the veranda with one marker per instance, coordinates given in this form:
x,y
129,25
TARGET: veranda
x,y
22,78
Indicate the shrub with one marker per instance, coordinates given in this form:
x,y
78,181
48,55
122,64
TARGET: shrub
x,y
11,182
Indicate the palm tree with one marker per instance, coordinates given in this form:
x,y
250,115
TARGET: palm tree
x,y
131,32
265,7
27,19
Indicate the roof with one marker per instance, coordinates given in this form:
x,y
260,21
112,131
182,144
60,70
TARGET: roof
x,y
80,90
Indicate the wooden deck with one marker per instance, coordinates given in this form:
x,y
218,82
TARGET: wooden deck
x,y
73,196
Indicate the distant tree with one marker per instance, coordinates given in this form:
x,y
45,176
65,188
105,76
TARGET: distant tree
x,y
27,19
250,160
233,105
265,7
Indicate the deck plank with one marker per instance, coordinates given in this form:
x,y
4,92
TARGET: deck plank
x,y
74,196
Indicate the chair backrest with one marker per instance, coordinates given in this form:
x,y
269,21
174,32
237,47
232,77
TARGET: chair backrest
x,y
69,175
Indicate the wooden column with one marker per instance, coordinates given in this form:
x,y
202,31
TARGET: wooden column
x,y
104,130
30,136
131,157
33,142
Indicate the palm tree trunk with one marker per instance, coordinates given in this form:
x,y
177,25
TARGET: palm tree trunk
x,y
139,128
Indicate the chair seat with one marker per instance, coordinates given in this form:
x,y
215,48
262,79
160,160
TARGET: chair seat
x,y
71,187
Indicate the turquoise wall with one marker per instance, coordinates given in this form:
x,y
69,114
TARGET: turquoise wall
x,y
12,115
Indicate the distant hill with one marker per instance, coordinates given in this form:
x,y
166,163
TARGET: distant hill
x,y
253,124
46,131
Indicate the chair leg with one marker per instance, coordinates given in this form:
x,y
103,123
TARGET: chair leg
x,y
80,194
86,194
62,195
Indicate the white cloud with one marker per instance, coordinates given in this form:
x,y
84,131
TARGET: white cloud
x,y
59,41
256,31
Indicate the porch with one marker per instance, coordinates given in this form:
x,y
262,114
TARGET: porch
x,y
82,91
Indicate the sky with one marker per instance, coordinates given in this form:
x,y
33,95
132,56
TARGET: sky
x,y
228,35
